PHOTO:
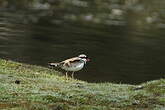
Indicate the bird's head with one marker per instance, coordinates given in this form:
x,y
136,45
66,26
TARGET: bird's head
x,y
84,57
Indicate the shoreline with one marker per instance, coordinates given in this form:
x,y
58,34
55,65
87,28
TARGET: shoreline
x,y
31,87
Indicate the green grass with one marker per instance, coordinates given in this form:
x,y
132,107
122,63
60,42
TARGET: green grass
x,y
29,87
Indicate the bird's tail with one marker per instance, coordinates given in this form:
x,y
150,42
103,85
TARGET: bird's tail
x,y
53,64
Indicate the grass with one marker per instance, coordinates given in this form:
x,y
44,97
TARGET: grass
x,y
30,87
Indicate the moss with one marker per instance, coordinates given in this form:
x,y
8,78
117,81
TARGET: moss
x,y
31,87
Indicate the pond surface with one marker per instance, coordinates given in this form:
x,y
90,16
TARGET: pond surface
x,y
119,53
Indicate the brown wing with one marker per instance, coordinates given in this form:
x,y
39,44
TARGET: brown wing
x,y
71,60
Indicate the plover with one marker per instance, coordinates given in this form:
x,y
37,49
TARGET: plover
x,y
72,64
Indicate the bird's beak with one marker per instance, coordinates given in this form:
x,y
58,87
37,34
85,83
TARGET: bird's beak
x,y
88,59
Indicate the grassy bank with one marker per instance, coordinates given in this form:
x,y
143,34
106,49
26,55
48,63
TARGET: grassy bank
x,y
29,87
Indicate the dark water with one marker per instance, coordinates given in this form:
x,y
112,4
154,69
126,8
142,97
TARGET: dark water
x,y
124,52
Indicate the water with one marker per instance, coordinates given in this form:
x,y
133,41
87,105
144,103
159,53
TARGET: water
x,y
120,52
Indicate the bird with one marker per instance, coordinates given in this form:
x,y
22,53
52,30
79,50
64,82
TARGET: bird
x,y
72,64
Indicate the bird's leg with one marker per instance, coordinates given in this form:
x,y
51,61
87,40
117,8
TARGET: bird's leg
x,y
73,75
66,75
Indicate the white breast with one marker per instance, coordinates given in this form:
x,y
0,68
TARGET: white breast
x,y
74,67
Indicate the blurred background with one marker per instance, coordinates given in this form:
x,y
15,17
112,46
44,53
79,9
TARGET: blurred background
x,y
125,39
